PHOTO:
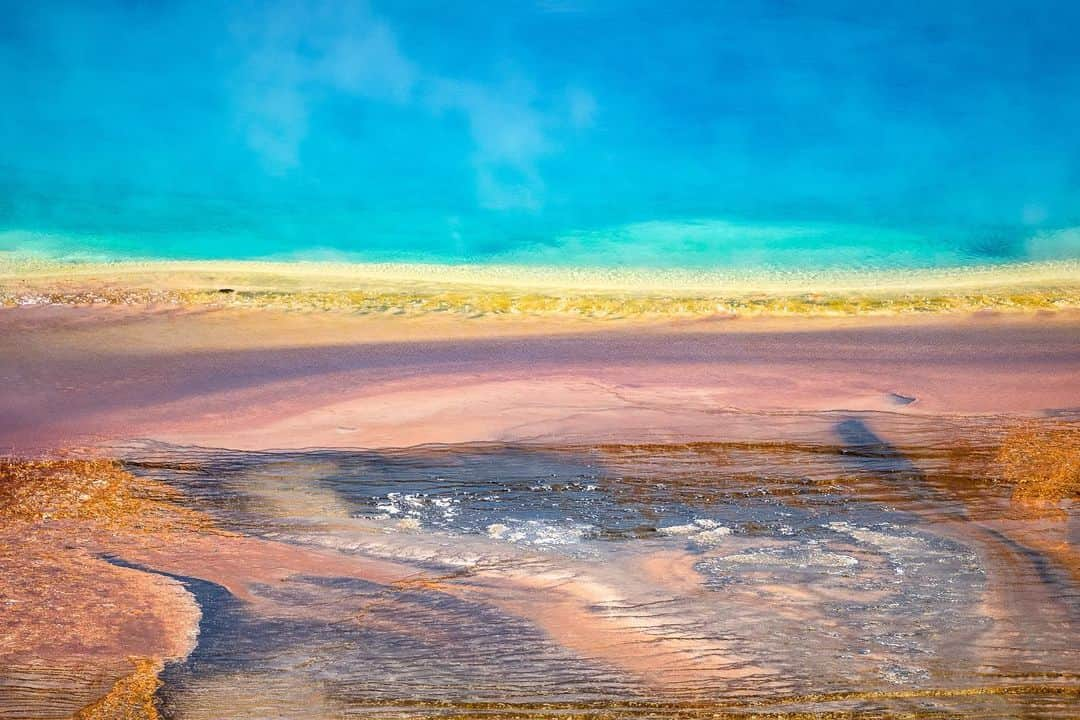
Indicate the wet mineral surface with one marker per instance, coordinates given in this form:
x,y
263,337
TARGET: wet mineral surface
x,y
928,569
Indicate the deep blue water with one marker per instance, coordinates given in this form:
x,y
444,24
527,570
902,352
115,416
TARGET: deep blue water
x,y
577,132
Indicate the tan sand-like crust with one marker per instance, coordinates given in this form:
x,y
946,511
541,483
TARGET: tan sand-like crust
x,y
518,290
1043,462
131,697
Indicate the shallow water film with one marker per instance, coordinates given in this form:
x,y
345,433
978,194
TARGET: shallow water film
x,y
859,577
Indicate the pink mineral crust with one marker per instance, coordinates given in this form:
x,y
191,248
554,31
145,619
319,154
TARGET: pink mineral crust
x,y
262,379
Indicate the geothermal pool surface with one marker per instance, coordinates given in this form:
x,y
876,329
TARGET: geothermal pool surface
x,y
578,133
